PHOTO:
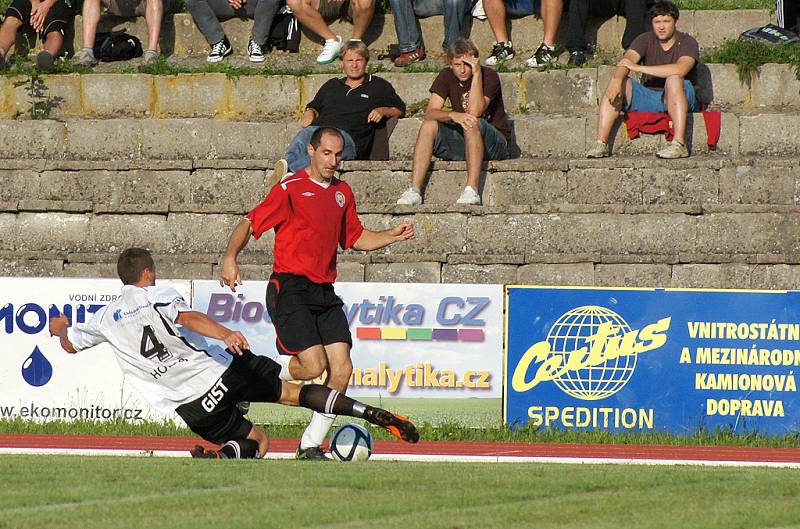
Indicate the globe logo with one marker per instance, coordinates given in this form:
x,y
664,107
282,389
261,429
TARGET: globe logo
x,y
574,330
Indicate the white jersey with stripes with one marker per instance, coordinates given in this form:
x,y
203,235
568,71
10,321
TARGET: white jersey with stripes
x,y
150,349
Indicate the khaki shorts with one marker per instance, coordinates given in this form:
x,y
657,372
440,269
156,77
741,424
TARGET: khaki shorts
x,y
335,9
126,8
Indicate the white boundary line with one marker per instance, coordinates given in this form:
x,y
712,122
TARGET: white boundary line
x,y
422,458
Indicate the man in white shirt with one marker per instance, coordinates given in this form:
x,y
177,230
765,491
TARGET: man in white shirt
x,y
202,386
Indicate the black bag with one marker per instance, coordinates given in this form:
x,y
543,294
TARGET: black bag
x,y
392,52
116,46
285,31
771,34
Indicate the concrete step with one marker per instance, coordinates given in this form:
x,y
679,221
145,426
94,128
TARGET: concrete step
x,y
179,35
539,135
252,97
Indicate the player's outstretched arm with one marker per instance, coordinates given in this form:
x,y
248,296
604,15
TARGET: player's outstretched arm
x,y
202,324
58,327
229,273
375,240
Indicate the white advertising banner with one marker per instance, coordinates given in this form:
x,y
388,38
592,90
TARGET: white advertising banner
x,y
409,340
41,382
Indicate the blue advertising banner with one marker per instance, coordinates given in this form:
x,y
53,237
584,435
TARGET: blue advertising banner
x,y
652,359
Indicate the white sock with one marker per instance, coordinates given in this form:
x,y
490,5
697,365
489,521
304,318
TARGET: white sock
x,y
283,361
317,430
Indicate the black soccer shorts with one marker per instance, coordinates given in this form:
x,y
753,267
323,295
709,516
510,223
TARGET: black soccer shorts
x,y
305,313
215,417
58,18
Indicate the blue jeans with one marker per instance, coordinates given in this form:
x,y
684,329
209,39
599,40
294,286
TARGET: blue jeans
x,y
645,99
450,143
297,153
522,8
405,20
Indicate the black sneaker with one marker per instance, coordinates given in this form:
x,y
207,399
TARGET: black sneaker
x,y
200,452
220,50
501,52
313,453
44,61
397,425
544,55
577,58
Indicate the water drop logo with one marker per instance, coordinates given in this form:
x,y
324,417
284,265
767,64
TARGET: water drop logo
x,y
117,314
36,369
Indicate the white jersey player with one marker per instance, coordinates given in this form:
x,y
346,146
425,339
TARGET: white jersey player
x,y
202,387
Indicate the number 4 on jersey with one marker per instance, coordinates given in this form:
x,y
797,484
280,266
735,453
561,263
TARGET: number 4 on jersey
x,y
151,347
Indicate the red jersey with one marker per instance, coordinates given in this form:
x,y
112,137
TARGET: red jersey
x,y
310,219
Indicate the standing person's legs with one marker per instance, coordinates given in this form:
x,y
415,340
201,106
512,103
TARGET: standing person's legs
x,y
496,15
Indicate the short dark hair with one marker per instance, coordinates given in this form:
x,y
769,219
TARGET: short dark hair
x,y
132,262
316,137
460,47
661,9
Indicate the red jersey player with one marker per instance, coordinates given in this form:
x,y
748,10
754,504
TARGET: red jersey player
x,y
312,213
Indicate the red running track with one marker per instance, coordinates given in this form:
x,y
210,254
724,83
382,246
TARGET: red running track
x,y
446,449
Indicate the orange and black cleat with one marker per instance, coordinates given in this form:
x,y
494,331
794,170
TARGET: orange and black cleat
x,y
200,452
398,425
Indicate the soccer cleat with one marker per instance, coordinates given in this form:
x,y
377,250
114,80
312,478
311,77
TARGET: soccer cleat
x,y
673,150
598,150
330,51
470,197
397,425
410,197
407,57
501,52
313,453
200,452
255,52
220,50
544,55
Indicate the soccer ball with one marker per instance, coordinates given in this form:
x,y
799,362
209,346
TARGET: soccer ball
x,y
351,442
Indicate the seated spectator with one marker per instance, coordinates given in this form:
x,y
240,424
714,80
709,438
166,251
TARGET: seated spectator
x,y
668,66
208,13
152,10
503,50
412,48
49,18
634,11
313,13
355,104
476,129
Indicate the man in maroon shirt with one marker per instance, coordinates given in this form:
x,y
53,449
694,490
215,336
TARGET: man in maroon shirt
x,y
312,213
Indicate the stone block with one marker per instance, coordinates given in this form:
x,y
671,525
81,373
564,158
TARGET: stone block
x,y
174,268
758,184
413,88
226,190
403,139
349,271
769,135
265,97
170,139
712,27
189,233
476,273
727,89
442,233
524,187
53,232
248,272
242,140
31,139
561,274
191,95
511,86
712,275
746,233
8,225
70,185
403,273
697,136
187,39
633,275
775,85
561,90
601,186
503,234
53,95
114,233
664,185
132,95
91,270
444,187
146,191
551,136
103,139
377,187
775,277
31,267
18,184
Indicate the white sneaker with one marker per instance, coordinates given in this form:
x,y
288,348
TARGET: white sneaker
x,y
410,197
278,173
469,196
331,50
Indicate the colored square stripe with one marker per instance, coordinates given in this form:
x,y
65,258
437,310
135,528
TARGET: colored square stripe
x,y
420,334
470,335
445,335
368,333
393,333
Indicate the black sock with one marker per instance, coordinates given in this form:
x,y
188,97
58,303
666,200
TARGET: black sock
x,y
326,400
240,449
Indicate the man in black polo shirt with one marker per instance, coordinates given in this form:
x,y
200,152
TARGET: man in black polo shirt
x,y
355,104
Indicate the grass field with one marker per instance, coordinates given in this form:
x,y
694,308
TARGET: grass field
x,y
100,492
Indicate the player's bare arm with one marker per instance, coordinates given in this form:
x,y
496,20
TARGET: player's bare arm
x,y
680,68
380,113
58,327
202,324
476,88
375,240
229,273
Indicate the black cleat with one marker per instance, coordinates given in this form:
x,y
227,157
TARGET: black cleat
x,y
200,452
313,453
398,425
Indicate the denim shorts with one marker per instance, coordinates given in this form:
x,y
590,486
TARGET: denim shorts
x,y
450,142
645,99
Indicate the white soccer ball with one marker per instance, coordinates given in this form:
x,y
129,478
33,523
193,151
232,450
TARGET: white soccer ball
x,y
351,442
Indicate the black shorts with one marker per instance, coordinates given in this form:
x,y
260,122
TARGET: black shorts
x,y
58,18
305,313
215,417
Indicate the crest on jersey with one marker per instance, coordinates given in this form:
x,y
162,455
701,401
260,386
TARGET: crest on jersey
x,y
340,199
